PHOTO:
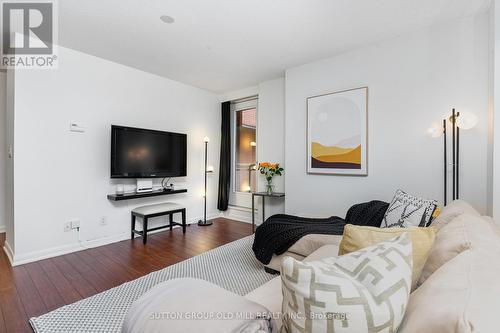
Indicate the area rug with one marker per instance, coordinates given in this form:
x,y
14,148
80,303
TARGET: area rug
x,y
232,266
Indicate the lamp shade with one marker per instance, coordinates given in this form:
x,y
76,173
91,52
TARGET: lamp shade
x,y
467,120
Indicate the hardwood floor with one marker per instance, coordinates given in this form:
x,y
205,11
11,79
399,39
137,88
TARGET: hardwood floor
x,y
36,288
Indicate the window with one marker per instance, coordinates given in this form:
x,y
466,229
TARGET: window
x,y
244,145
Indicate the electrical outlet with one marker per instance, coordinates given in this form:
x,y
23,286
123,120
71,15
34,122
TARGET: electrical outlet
x,y
75,224
103,221
67,226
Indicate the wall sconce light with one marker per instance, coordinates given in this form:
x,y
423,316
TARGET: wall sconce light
x,y
253,144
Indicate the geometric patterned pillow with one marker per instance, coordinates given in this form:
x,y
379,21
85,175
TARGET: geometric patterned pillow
x,y
406,211
361,292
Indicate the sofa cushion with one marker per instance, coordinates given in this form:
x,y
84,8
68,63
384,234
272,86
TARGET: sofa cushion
x,y
451,211
364,291
439,305
359,237
456,236
270,295
407,210
494,223
192,305
462,295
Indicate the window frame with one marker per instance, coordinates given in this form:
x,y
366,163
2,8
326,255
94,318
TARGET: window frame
x,y
237,198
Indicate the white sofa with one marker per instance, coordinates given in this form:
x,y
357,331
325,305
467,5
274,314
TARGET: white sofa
x,y
462,295
458,292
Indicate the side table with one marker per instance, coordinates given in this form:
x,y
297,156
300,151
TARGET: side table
x,y
263,195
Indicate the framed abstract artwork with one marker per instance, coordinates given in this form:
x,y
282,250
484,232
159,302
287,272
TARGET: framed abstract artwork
x,y
337,133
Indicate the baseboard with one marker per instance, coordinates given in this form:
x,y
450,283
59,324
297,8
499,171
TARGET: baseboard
x,y
21,259
8,251
209,217
241,214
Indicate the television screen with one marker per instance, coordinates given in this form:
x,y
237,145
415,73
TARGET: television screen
x,y
142,153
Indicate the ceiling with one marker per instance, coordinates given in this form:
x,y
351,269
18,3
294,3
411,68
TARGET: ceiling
x,y
223,45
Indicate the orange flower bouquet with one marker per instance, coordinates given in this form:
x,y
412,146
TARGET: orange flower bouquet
x,y
269,170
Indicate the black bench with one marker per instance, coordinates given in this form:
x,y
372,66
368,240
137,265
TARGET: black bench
x,y
147,212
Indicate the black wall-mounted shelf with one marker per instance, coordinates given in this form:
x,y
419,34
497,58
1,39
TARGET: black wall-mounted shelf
x,y
129,196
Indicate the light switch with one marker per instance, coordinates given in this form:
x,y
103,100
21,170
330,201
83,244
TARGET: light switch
x,y
76,127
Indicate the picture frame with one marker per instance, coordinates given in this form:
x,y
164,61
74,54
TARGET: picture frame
x,y
337,133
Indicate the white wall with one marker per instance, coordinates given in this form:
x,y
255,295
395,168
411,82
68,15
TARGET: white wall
x,y
9,167
3,150
496,108
270,143
61,176
271,137
413,81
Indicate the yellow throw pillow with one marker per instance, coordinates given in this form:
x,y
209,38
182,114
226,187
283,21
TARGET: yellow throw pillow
x,y
436,213
358,237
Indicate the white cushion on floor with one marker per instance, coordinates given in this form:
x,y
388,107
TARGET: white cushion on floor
x,y
166,307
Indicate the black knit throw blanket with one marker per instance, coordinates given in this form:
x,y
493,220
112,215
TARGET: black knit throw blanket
x,y
279,232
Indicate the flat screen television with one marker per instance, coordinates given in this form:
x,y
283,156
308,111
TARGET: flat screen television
x,y
143,153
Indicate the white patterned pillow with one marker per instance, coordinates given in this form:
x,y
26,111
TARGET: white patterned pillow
x,y
407,210
361,292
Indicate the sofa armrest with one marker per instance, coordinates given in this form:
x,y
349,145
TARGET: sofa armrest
x,y
326,251
310,243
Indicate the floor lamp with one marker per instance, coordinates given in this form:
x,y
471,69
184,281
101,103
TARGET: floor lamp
x,y
458,121
204,222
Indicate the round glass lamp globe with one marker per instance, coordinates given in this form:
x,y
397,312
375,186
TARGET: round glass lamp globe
x,y
435,131
467,120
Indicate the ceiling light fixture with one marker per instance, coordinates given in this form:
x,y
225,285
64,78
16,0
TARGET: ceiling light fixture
x,y
167,19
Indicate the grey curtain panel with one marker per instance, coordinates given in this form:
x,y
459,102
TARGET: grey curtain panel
x,y
225,158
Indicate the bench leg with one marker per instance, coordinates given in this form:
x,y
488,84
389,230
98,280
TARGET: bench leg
x,y
171,219
132,226
183,221
145,230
